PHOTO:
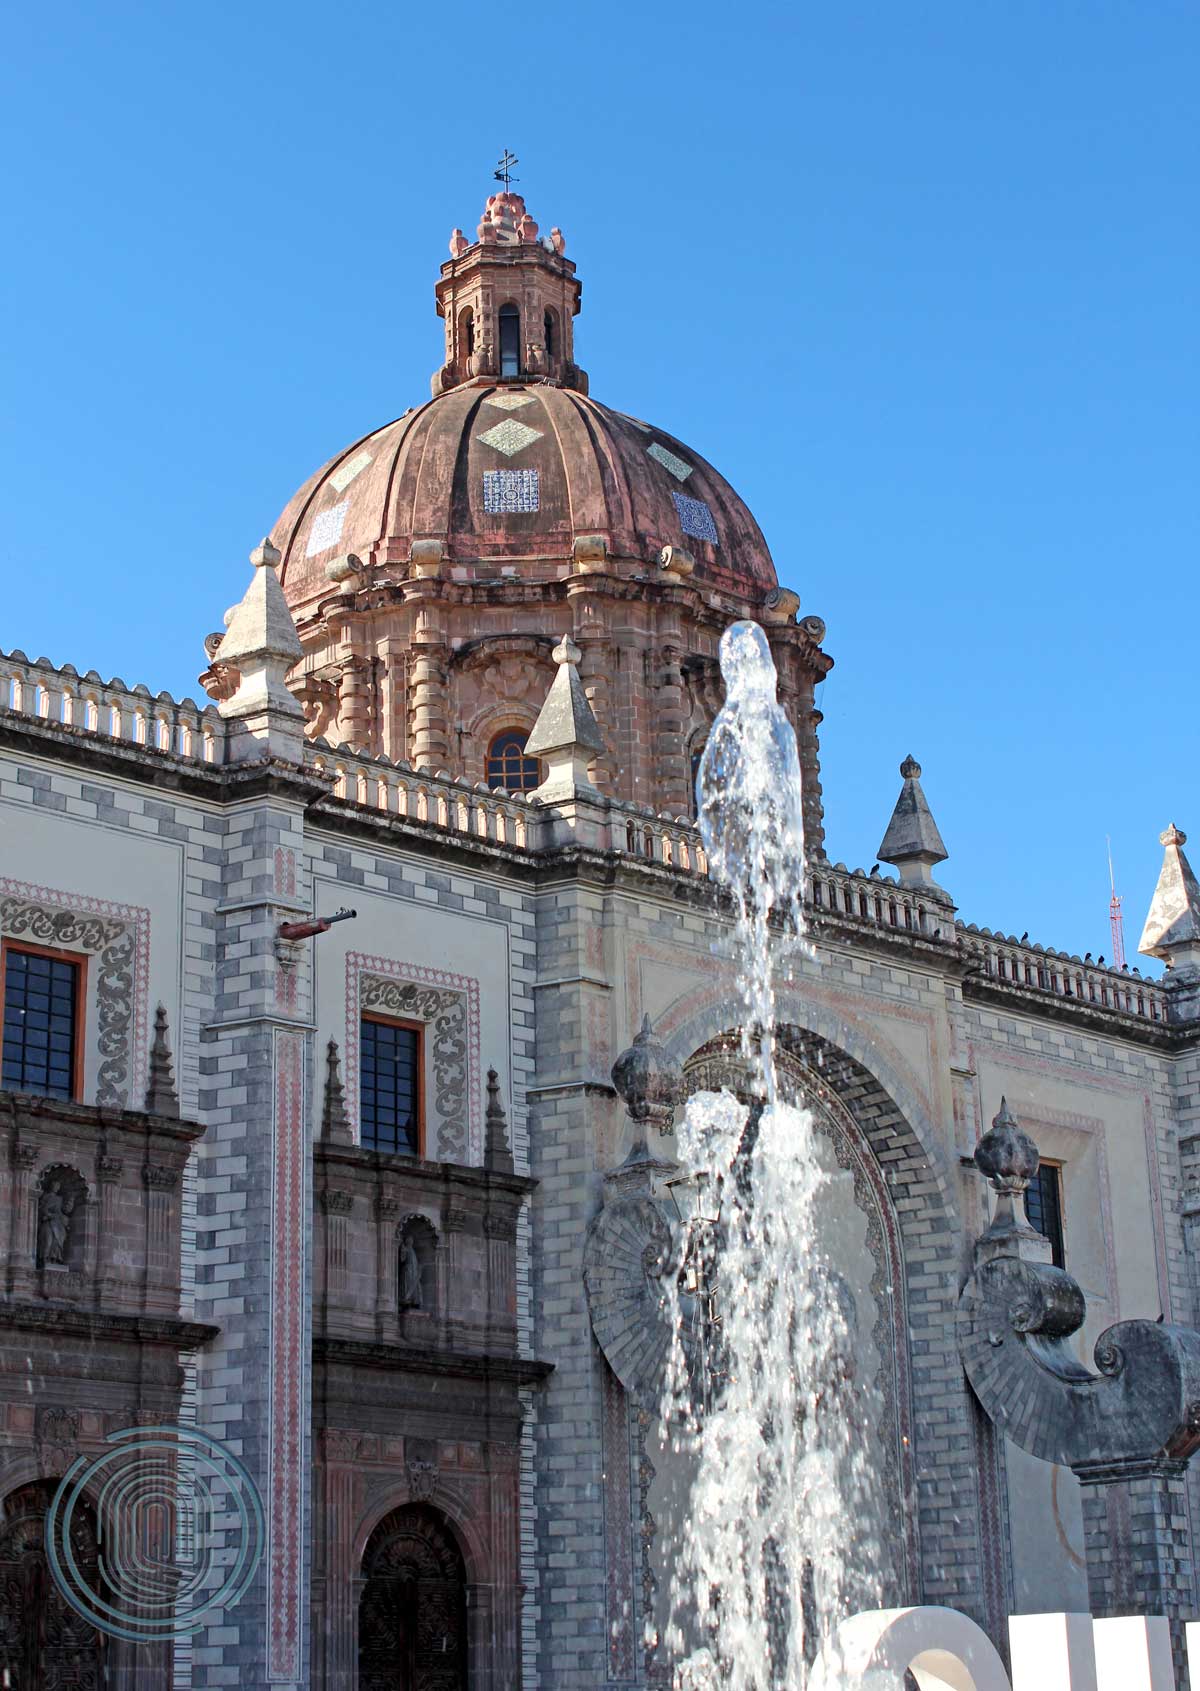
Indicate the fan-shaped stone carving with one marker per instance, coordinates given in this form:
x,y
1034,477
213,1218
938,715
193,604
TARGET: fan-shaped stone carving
x,y
628,1249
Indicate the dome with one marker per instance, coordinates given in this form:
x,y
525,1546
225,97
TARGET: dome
x,y
507,475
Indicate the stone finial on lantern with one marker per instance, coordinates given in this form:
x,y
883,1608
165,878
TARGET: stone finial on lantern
x,y
261,644
1009,1158
1172,930
648,1080
566,733
497,1152
162,1099
912,841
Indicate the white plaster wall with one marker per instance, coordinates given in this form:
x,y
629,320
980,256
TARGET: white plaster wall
x,y
420,934
122,864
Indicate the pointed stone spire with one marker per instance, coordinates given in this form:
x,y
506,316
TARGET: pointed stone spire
x,y
1172,929
497,1153
161,1097
261,645
912,841
566,732
335,1124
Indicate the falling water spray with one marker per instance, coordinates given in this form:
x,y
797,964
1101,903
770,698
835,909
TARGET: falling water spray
x,y
762,1409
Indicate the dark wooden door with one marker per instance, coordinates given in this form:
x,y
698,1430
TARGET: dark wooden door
x,y
412,1619
44,1644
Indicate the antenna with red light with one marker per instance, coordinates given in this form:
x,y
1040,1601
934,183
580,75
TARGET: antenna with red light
x,y
1115,920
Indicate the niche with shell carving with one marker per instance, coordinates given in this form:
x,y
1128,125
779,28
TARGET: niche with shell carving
x,y
416,1267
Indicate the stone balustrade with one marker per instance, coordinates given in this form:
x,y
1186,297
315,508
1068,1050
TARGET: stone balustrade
x,y
63,698
1038,968
878,901
672,841
421,795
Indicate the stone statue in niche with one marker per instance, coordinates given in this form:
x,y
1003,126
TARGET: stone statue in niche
x,y
54,1225
410,1275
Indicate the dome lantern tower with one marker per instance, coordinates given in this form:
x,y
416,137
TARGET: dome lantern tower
x,y
508,300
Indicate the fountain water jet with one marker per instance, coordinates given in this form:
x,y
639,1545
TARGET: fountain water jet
x,y
761,1404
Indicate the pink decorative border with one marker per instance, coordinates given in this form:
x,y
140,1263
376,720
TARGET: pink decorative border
x,y
138,918
618,1538
359,963
285,1478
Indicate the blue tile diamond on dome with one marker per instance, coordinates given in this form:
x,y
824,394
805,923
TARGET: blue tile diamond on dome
x,y
695,518
510,490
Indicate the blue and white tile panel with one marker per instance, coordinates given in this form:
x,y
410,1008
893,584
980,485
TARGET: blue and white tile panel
x,y
510,490
695,518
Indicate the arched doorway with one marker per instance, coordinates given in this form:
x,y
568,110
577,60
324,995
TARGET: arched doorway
x,y
44,1644
412,1617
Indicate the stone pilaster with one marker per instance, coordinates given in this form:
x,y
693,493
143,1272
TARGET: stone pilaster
x,y
671,771
254,1224
430,736
1138,1544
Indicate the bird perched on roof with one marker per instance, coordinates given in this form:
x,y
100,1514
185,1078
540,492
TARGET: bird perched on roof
x,y
1100,960
874,868
1087,956
1025,937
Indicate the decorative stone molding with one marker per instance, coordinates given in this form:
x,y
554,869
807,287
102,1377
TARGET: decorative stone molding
x,y
456,1220
422,1480
336,1202
158,1176
54,1425
628,1249
108,1169
449,1005
340,1446
500,1227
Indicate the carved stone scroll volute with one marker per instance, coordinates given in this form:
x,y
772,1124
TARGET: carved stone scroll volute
x,y
1127,1431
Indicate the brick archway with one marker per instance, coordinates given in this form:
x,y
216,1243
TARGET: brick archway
x,y
954,1496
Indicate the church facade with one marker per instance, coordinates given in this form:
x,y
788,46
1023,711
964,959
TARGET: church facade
x,y
313,997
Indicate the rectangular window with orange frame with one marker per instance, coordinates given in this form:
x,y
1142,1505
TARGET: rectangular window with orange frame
x,y
391,1092
43,1021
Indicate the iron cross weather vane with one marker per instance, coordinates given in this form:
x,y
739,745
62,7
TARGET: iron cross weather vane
x,y
503,171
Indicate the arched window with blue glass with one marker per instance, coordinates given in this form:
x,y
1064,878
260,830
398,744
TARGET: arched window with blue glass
x,y
695,756
510,341
507,765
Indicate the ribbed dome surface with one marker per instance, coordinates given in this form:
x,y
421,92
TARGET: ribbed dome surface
x,y
511,473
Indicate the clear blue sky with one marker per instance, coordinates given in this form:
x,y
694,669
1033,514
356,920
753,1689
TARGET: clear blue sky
x,y
920,278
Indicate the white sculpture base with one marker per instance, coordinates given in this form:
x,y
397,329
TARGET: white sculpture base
x,y
944,1651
